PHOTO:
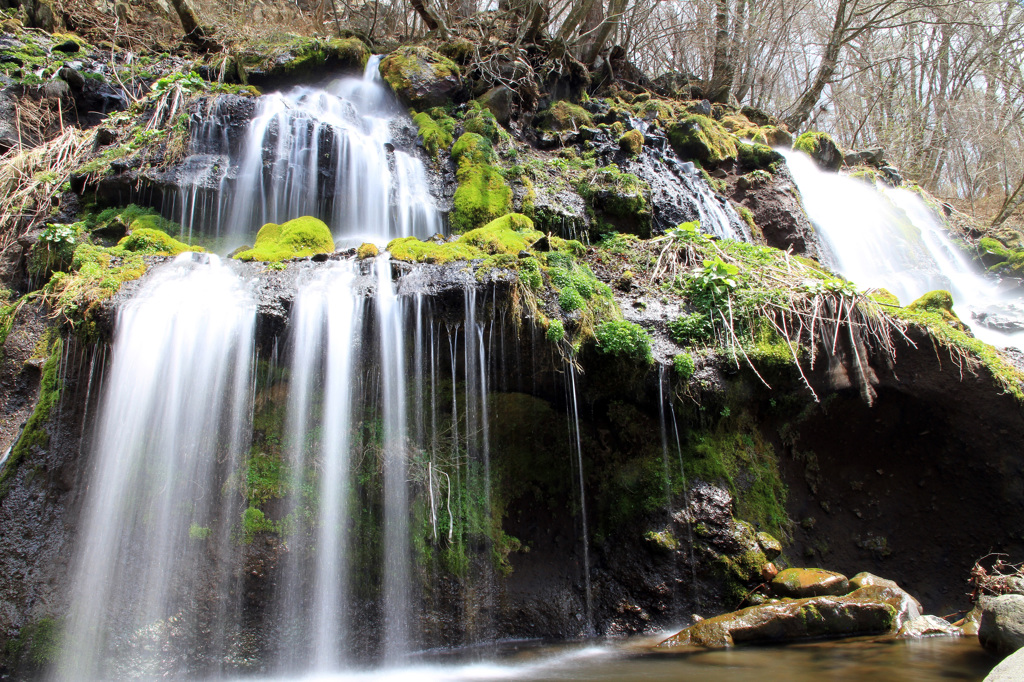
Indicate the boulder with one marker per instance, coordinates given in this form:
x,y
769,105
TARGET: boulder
x,y
908,607
868,611
421,77
822,148
499,101
1010,670
809,582
971,622
927,626
1002,623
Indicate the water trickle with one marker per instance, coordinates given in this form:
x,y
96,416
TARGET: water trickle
x,y
578,445
326,152
153,517
884,237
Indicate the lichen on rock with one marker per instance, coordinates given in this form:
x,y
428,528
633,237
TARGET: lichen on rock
x,y
422,77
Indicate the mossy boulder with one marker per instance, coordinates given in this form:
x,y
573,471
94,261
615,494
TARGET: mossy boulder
x,y
149,240
632,143
809,582
508,235
298,238
480,120
562,116
702,138
822,148
756,156
367,250
304,59
421,77
939,302
483,194
868,611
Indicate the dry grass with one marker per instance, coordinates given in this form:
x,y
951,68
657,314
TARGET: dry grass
x,y
29,178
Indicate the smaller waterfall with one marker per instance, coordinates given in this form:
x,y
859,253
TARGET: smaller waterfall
x,y
578,448
884,237
326,152
172,426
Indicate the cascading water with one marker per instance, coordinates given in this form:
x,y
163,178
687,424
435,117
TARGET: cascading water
x,y
153,521
329,153
884,237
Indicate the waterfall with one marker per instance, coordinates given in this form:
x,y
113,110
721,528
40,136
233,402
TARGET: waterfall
x,y
885,237
174,418
328,152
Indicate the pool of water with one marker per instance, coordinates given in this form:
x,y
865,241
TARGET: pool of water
x,y
874,660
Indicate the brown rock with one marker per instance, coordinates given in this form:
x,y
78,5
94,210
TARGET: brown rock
x,y
809,582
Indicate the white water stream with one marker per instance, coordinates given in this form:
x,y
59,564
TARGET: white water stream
x,y
174,420
885,237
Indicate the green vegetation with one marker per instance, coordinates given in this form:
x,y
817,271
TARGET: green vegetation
x,y
632,143
508,234
624,339
483,194
35,436
367,251
407,66
563,115
297,238
39,641
555,331
684,366
811,142
435,132
702,138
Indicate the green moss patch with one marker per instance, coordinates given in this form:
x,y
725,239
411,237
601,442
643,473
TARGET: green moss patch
x,y
632,143
483,194
698,137
563,115
420,76
297,238
436,133
508,234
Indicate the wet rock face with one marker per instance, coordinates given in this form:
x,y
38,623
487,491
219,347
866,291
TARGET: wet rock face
x,y
778,213
1002,623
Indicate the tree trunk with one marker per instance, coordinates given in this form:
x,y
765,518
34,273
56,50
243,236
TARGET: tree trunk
x,y
194,31
720,86
431,18
576,16
827,69
611,22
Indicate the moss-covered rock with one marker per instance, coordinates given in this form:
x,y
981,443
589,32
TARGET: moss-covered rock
x,y
563,115
938,302
422,77
757,156
632,143
298,58
367,251
480,120
699,137
150,240
619,201
809,582
483,194
508,234
822,148
296,238
436,133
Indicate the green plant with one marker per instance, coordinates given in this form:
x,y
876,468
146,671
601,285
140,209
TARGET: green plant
x,y
555,332
624,339
570,299
716,277
684,365
690,329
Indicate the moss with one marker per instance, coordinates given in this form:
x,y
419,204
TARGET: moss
x,y
563,115
435,133
506,235
35,436
411,65
482,194
702,138
152,241
811,142
632,143
756,156
481,121
938,302
620,201
297,238
663,539
39,641
367,251
735,454
197,532
255,521
458,49
624,339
